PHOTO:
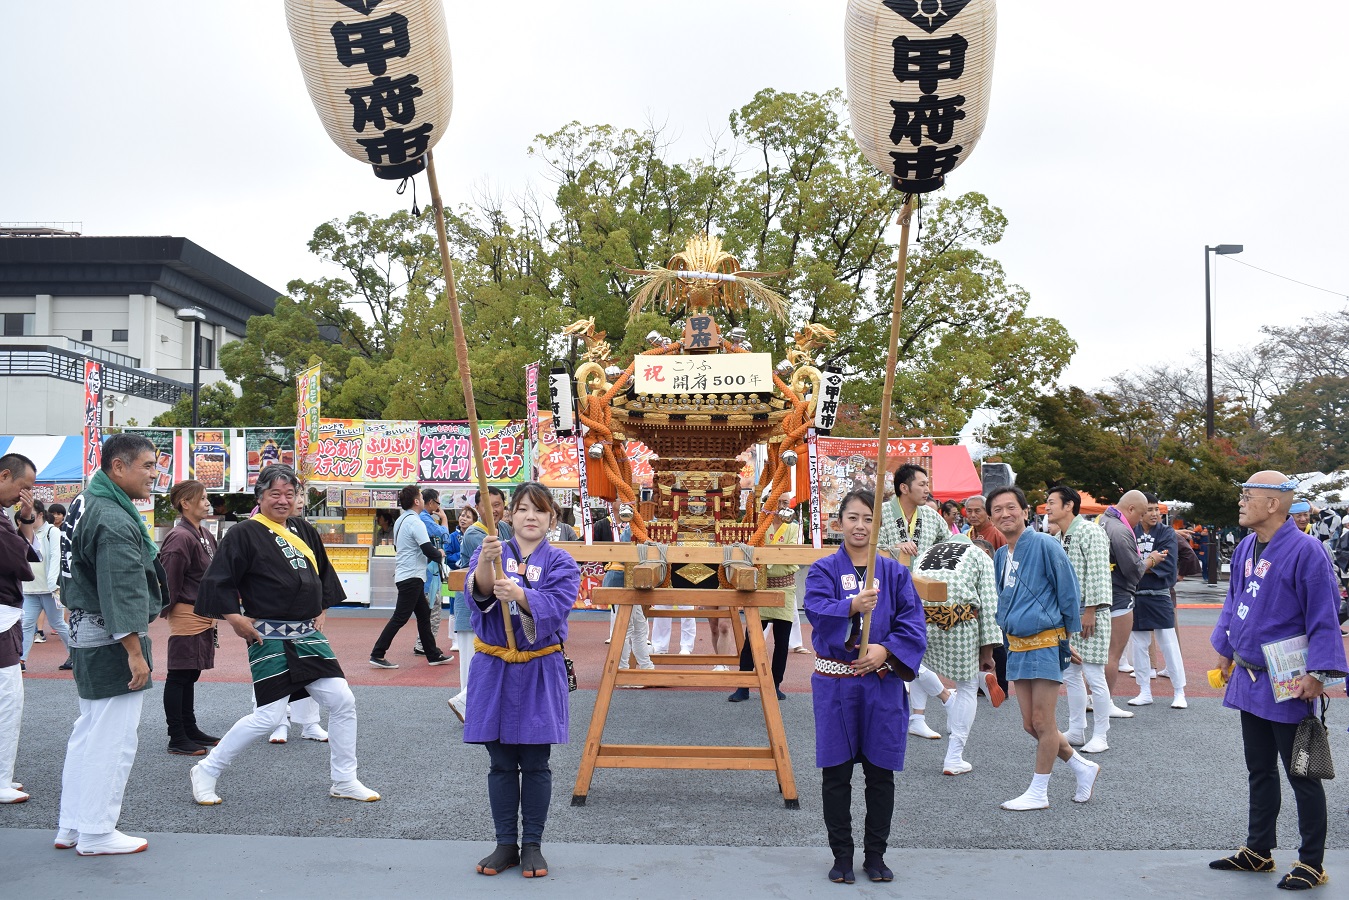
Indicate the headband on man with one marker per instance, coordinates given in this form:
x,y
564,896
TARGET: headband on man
x,y
1289,485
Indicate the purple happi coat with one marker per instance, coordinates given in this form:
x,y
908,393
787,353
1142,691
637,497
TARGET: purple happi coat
x,y
1289,592
523,703
867,715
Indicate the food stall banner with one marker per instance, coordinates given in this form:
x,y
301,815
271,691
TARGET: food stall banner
x,y
505,451
208,458
337,452
557,458
264,447
389,452
847,464
443,453
163,439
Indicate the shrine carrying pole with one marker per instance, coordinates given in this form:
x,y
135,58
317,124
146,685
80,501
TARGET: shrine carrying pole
x,y
887,395
466,380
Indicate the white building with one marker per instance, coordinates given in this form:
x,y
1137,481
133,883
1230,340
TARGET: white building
x,y
65,297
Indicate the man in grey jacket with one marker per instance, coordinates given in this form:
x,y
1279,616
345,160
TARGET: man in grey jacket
x,y
1119,522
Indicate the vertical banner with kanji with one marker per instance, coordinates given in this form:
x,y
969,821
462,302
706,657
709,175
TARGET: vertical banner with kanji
x,y
164,441
816,525
532,411
444,455
307,406
390,452
93,417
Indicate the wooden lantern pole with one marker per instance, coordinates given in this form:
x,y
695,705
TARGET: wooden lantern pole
x,y
466,380
905,217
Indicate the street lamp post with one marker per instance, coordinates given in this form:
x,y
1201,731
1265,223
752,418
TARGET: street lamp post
x,y
196,317
1214,557
1220,250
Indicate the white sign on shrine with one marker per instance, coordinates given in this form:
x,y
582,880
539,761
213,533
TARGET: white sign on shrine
x,y
712,373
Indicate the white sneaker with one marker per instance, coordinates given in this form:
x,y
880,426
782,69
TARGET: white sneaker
x,y
353,790
1117,713
1178,702
314,732
959,767
681,652
1086,780
1075,738
1126,669
1026,802
459,706
918,727
1097,744
114,843
10,795
1140,700
280,734
1152,673
721,668
1162,673
1091,706
66,839
203,787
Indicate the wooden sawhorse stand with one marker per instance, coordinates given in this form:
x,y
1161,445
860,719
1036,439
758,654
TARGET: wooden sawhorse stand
x,y
773,758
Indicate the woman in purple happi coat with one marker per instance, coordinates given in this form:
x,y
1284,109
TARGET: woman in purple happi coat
x,y
1282,587
861,706
518,704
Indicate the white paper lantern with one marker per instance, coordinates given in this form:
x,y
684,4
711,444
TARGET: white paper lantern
x,y
919,77
563,401
379,74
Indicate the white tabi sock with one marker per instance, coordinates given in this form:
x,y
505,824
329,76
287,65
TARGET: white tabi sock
x,y
1039,787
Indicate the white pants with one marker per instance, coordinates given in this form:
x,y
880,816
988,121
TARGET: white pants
x,y
960,710
11,717
660,634
1170,646
1094,675
98,762
925,685
795,640
466,651
634,642
302,712
333,694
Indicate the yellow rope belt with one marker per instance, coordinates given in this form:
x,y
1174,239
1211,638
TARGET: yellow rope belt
x,y
1049,638
513,656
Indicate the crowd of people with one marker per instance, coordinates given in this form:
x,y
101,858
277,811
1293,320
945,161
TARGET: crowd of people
x,y
1028,607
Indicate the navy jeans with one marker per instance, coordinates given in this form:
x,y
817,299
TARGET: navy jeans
x,y
519,787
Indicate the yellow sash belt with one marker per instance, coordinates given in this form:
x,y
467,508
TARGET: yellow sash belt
x,y
513,656
1049,638
289,537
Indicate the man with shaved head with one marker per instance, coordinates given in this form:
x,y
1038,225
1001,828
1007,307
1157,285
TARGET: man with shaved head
x,y
1282,587
1126,567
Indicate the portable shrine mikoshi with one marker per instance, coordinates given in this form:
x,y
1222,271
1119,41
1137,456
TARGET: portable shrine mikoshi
x,y
698,402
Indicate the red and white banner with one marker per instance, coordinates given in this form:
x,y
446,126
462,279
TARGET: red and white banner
x,y
93,418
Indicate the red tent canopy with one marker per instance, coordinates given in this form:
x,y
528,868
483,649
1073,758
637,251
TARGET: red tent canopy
x,y
953,474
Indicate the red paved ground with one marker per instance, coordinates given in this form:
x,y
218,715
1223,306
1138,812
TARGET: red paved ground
x,y
352,638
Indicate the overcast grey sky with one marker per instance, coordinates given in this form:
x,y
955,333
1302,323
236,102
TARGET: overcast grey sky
x,y
1122,138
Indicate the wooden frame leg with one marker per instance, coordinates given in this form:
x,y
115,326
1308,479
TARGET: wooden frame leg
x,y
772,711
594,737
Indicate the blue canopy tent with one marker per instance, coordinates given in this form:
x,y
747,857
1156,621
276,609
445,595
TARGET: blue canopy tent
x,y
59,459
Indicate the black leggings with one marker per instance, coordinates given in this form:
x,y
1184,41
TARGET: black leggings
x,y
782,633
179,701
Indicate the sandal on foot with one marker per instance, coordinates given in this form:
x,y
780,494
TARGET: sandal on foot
x,y
532,863
842,873
1244,860
876,869
502,858
1303,877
